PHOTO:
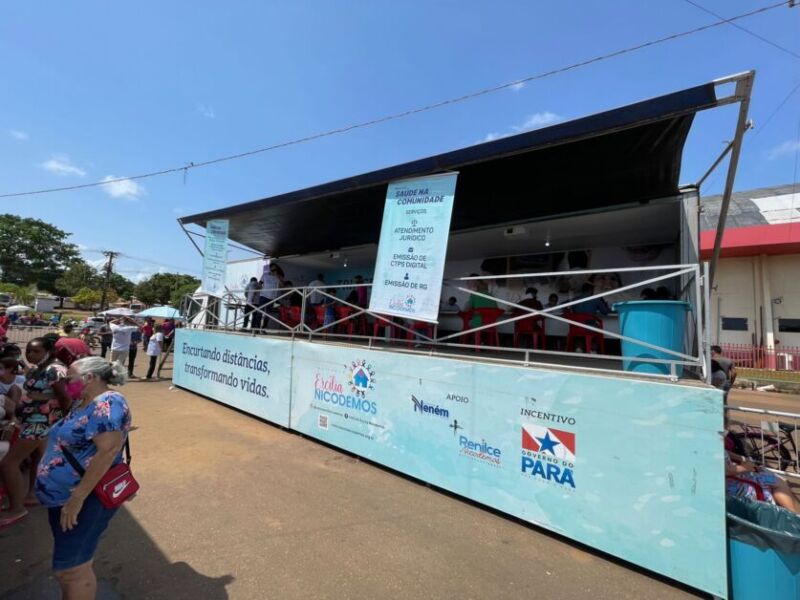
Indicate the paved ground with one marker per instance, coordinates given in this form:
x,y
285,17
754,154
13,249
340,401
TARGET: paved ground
x,y
235,508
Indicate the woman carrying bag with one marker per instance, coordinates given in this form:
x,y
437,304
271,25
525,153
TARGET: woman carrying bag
x,y
79,477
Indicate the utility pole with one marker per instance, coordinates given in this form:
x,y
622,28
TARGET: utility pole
x,y
109,265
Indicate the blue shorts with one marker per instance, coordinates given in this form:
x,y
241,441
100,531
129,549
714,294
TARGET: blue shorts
x,y
77,546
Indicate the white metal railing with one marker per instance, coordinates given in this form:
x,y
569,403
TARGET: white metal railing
x,y
289,312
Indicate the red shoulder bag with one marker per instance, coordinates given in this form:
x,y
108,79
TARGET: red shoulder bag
x,y
117,485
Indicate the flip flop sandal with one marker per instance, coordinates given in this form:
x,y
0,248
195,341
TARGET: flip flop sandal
x,y
9,521
32,503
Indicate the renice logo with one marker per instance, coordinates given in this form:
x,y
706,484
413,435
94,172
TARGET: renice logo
x,y
361,376
481,448
429,409
548,453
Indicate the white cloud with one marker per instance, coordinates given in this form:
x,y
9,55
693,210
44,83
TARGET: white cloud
x,y
17,134
537,120
787,147
179,210
60,164
122,188
515,87
207,111
144,273
533,121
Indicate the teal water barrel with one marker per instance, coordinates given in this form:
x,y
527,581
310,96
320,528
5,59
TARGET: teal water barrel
x,y
658,322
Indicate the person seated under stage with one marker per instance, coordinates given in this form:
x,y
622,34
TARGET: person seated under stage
x,y
552,301
532,301
474,301
594,307
451,306
358,295
747,480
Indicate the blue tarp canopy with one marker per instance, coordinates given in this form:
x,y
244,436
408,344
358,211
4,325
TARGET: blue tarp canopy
x,y
620,157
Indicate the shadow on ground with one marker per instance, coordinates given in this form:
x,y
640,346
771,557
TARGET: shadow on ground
x,y
130,565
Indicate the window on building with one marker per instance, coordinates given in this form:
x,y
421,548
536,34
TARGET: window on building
x,y
789,325
734,324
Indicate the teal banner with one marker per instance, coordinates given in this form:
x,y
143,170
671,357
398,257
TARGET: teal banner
x,y
248,373
215,257
412,248
634,468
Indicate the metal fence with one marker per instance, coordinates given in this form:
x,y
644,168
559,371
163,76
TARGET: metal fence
x,y
291,312
22,334
769,438
749,356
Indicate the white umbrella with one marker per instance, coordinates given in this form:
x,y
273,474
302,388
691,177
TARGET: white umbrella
x,y
117,312
18,308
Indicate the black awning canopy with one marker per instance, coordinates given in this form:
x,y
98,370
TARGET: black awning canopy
x,y
619,157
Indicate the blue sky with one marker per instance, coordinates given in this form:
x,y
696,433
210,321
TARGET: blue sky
x,y
96,89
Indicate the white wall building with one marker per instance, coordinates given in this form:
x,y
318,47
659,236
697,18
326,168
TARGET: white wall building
x,y
756,295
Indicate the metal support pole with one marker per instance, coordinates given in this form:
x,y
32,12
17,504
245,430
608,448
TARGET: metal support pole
x,y
190,237
744,88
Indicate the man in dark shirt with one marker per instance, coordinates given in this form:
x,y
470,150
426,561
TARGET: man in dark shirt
x,y
727,366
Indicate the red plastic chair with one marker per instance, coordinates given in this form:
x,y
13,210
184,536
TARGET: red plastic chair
x,y
379,328
576,331
422,327
343,312
319,313
294,316
532,326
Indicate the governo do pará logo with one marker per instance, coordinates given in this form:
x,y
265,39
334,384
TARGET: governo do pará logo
x,y
361,377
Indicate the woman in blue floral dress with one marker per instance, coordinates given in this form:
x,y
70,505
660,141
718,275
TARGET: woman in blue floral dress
x,y
94,432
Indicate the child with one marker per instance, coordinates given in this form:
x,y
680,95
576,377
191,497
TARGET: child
x,y
154,349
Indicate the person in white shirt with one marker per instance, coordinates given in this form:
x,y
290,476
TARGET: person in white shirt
x,y
316,297
154,350
252,293
272,279
121,331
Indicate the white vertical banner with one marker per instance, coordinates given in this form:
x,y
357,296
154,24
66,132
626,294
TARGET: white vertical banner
x,y
412,248
215,256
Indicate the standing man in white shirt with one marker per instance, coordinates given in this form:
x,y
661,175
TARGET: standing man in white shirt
x,y
121,331
252,293
273,278
316,297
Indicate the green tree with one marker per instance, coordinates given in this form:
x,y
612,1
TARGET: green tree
x,y
78,275
22,294
33,252
186,289
123,286
160,287
87,298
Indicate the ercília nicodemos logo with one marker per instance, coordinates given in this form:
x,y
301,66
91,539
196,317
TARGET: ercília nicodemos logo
x,y
361,377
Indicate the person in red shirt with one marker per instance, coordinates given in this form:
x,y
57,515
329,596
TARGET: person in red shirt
x,y
4,322
147,332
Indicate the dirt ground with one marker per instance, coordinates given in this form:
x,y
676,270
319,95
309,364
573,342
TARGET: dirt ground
x,y
232,507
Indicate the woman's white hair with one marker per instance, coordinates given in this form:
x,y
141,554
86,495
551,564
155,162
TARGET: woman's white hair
x,y
110,372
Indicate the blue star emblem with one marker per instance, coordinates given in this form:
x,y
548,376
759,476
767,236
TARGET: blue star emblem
x,y
548,443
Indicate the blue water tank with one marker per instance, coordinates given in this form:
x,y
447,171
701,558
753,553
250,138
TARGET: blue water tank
x,y
658,322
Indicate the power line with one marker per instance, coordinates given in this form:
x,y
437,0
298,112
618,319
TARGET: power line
x,y
778,108
759,128
744,29
428,107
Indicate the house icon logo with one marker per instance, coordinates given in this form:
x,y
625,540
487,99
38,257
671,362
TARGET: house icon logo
x,y
361,376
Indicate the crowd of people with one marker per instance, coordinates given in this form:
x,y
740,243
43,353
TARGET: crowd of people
x,y
57,410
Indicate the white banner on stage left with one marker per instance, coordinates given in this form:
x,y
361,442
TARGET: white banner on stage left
x,y
215,257
413,244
